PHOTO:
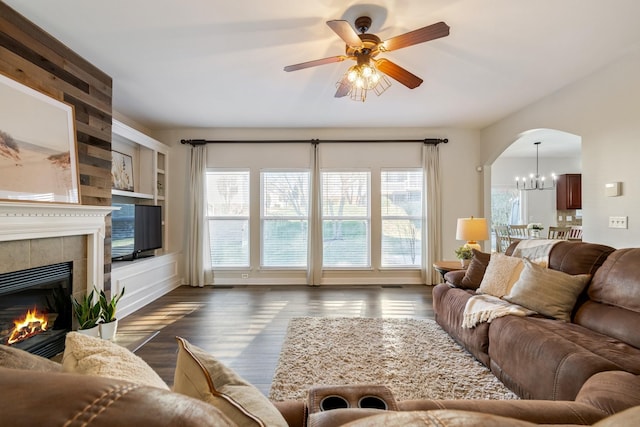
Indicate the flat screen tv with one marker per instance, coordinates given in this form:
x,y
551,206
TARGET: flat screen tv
x,y
135,230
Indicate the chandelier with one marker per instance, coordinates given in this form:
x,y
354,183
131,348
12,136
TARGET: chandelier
x,y
535,182
362,78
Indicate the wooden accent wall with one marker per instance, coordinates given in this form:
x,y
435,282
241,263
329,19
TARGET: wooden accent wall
x,y
31,56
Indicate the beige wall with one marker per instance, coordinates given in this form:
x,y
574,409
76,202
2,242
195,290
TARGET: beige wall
x,y
604,109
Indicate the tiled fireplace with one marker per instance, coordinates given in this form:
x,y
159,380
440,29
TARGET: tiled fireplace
x,y
35,236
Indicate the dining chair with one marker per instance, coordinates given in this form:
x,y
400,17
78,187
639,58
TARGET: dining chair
x,y
503,238
558,233
575,232
518,232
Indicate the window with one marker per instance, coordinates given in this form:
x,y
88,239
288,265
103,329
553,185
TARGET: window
x,y
228,216
285,218
345,219
401,211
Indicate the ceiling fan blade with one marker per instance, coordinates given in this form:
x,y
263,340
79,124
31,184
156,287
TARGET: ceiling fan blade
x,y
398,73
344,87
345,31
421,35
315,63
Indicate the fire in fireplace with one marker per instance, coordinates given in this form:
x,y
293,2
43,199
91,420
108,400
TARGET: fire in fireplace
x,y
35,308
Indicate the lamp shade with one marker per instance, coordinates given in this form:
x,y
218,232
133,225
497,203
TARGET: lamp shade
x,y
472,229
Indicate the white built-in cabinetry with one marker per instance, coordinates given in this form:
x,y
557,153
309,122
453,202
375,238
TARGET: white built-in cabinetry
x,y
145,279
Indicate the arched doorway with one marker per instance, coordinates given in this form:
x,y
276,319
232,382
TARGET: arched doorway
x,y
559,153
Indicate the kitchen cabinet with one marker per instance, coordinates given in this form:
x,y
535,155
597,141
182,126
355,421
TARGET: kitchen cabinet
x,y
569,191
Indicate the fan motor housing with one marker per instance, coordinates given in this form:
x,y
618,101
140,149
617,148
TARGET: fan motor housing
x,y
370,42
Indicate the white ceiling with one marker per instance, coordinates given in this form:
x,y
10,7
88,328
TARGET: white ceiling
x,y
219,63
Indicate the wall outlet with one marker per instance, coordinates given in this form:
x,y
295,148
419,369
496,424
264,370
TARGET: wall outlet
x,y
559,217
245,276
618,222
569,218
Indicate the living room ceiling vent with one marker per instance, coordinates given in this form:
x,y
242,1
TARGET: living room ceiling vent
x,y
536,181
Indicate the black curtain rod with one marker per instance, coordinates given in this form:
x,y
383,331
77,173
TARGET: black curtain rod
x,y
430,141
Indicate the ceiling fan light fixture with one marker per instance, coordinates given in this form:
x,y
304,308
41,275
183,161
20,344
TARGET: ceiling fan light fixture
x,y
363,78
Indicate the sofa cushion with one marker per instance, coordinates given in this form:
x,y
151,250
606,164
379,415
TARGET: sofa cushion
x,y
617,282
501,273
549,292
94,356
578,257
537,357
11,357
476,269
200,375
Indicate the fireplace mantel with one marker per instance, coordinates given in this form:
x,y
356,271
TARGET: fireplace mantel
x,y
23,221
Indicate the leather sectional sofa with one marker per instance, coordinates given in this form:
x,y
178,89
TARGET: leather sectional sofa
x,y
543,358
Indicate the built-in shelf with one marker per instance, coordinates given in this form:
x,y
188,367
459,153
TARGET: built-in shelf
x,y
150,170
131,194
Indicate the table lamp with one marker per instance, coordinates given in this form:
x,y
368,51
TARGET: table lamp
x,y
472,229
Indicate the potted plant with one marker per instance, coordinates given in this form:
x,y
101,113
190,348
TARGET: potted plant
x,y
534,229
109,323
464,254
87,313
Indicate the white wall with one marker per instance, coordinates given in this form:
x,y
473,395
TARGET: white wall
x,y
604,110
461,182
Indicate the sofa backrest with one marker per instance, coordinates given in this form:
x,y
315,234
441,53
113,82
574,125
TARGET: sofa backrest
x,y
614,298
574,257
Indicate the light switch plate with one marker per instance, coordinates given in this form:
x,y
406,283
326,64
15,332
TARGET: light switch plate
x,y
618,222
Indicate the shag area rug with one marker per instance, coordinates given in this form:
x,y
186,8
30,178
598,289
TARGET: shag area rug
x,y
415,358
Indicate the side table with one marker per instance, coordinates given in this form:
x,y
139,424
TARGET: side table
x,y
443,267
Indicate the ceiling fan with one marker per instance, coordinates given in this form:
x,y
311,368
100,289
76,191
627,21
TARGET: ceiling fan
x,y
364,48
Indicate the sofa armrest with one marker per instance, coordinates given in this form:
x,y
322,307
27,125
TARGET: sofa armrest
x,y
611,391
454,278
293,411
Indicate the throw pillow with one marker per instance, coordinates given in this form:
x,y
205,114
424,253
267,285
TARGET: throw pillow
x,y
502,272
476,269
94,356
549,292
200,375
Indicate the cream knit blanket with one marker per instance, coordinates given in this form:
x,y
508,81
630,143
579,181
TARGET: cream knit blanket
x,y
536,250
485,308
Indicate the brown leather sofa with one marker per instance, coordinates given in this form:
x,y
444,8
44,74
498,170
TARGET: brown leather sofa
x,y
544,358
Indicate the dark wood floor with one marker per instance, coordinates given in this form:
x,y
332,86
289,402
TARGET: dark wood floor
x,y
245,326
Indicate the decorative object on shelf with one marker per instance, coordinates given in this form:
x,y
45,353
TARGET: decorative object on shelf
x,y
109,322
534,229
536,182
37,146
464,254
87,312
121,171
472,229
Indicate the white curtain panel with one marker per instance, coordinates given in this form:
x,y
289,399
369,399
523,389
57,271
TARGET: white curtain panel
x,y
314,245
198,272
432,224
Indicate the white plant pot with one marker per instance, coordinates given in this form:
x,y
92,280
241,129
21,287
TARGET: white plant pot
x,y
92,332
108,330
